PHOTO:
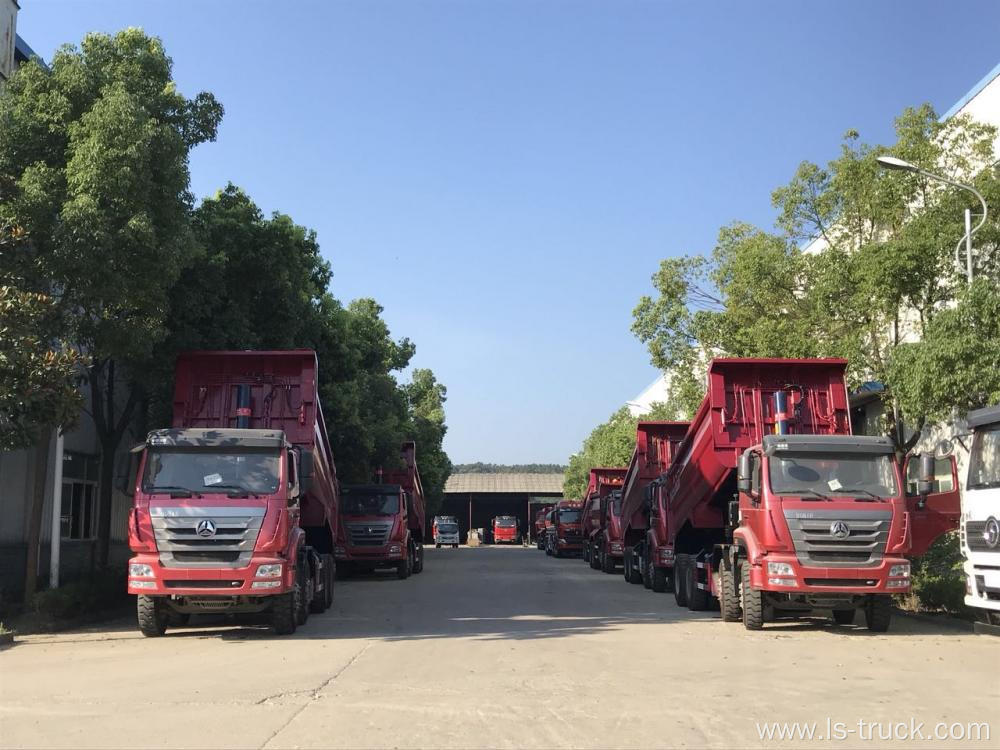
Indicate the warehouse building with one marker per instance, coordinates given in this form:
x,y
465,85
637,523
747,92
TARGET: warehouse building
x,y
476,499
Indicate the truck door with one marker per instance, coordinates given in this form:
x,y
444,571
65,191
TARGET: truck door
x,y
942,509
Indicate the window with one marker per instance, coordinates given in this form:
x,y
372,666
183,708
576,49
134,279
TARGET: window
x,y
943,479
78,513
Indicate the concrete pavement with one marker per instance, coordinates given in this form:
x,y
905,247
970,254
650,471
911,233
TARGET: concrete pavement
x,y
490,647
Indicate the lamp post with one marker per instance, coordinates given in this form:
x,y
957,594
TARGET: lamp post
x,y
891,162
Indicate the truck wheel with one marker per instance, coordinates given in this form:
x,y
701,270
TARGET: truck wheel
x,y
607,563
303,601
438,545
631,574
753,601
454,546
152,616
844,616
729,597
403,567
659,579
585,555
323,599
283,608
878,613
697,598
680,589
418,560
594,555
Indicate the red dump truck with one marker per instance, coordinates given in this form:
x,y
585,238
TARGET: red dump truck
x,y
601,527
235,506
564,534
540,526
775,509
647,558
382,525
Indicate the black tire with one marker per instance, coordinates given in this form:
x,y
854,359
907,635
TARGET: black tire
x,y
404,567
303,601
647,576
438,545
585,554
454,546
322,600
594,555
152,615
283,609
698,599
659,579
753,601
680,590
729,596
844,616
608,563
418,560
878,612
632,575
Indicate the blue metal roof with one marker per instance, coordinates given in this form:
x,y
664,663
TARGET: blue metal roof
x,y
22,49
972,93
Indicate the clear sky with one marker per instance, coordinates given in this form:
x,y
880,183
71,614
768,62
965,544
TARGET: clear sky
x,y
505,176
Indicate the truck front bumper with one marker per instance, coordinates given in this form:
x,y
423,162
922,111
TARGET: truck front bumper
x,y
390,553
147,576
982,583
788,576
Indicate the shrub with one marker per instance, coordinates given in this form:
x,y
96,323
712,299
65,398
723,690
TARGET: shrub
x,y
938,579
104,590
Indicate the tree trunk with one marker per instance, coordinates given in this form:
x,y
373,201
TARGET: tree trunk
x,y
37,508
110,432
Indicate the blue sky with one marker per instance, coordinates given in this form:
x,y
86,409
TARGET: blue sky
x,y
505,176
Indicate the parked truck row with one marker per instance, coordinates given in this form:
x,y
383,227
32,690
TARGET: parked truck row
x,y
766,505
238,508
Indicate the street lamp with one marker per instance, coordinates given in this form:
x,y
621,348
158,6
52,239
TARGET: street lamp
x,y
891,162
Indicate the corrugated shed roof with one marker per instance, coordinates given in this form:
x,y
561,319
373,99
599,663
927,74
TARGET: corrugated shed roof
x,y
515,483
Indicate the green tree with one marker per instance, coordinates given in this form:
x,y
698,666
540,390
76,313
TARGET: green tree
x,y
94,167
611,443
884,274
425,398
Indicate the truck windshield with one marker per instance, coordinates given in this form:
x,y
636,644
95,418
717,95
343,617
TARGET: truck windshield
x,y
984,461
199,470
370,504
833,473
569,516
447,528
506,523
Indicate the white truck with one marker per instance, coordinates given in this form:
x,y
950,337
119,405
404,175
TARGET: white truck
x,y
445,531
981,519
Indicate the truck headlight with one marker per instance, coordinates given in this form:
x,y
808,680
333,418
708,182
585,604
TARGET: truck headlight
x,y
562,541
142,584
138,570
270,570
666,555
779,569
781,581
265,584
338,550
900,571
616,547
394,549
899,583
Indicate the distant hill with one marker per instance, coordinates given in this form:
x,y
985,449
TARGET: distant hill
x,y
481,468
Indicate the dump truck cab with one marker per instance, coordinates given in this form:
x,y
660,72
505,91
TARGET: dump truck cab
x,y
981,518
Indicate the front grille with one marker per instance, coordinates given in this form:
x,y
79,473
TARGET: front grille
x,y
816,545
181,546
975,537
203,584
368,534
846,582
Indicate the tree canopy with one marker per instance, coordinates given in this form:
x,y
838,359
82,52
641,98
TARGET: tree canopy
x,y
880,276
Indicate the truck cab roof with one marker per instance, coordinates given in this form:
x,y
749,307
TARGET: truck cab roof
x,y
826,443
981,417
223,437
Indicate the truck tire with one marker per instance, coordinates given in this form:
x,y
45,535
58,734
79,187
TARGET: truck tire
x,y
698,599
844,616
438,545
607,563
594,555
659,579
729,597
418,560
323,599
680,590
455,545
585,554
647,576
631,574
403,567
152,615
878,612
753,601
303,601
283,609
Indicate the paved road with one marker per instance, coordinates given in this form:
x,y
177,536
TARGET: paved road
x,y
489,647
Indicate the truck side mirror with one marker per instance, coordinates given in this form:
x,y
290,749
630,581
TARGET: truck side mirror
x,y
744,473
305,470
925,481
